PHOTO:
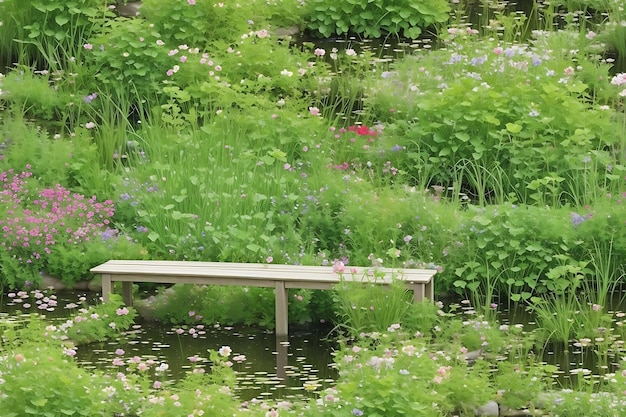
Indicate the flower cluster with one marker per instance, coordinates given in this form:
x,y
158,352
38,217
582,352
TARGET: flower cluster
x,y
35,220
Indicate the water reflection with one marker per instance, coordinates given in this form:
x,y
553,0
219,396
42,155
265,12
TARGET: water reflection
x,y
277,368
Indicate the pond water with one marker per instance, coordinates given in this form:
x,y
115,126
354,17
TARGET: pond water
x,y
276,368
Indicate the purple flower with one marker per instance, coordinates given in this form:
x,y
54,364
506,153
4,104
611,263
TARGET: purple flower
x,y
578,219
89,98
357,412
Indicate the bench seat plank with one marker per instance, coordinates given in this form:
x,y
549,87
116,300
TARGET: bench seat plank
x,y
259,271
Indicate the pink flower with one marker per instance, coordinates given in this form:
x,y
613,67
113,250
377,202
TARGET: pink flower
x,y
122,311
119,352
19,358
320,52
339,267
183,58
160,42
88,46
596,307
118,362
569,70
157,384
590,35
191,2
619,79
314,111
262,33
90,125
269,259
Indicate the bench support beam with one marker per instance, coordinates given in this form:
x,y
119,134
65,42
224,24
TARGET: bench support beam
x,y
282,322
107,287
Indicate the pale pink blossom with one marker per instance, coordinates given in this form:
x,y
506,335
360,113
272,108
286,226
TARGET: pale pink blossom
x,y
225,351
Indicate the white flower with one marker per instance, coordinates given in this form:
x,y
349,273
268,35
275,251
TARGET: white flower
x,y
225,351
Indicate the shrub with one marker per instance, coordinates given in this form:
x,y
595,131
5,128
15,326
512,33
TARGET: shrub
x,y
375,18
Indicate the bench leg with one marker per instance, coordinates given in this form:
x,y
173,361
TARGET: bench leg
x,y
418,292
281,309
127,293
430,290
106,287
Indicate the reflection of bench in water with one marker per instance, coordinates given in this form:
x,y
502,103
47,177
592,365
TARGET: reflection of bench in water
x,y
279,277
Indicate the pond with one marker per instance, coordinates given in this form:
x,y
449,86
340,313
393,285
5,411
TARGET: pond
x,y
269,367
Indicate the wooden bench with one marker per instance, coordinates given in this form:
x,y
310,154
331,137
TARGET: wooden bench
x,y
279,277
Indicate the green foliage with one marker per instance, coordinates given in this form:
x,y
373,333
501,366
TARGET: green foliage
x,y
42,379
71,263
499,122
375,18
188,304
33,95
200,23
522,385
100,322
389,375
370,307
128,55
58,30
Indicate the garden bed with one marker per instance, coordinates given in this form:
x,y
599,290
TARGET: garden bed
x,y
494,153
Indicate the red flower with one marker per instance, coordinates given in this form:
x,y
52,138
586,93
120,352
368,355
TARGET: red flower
x,y
362,130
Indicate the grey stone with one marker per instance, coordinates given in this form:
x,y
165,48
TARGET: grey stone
x,y
48,281
286,32
521,413
489,409
95,284
130,9
81,286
